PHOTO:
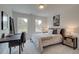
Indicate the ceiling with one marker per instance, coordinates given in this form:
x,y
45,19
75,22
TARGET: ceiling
x,y
49,10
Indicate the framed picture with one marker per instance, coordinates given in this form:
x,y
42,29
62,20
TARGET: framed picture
x,y
4,20
56,20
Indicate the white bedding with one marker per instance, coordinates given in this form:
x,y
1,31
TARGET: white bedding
x,y
36,38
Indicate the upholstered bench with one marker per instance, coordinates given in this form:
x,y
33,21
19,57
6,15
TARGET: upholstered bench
x,y
49,40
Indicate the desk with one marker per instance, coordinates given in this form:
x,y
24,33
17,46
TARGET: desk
x,y
11,39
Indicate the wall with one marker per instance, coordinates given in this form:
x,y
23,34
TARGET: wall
x,y
68,17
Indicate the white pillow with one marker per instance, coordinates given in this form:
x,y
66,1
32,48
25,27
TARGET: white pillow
x,y
58,31
50,31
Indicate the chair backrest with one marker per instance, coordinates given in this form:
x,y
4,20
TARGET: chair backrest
x,y
23,37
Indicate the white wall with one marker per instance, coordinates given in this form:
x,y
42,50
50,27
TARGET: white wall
x,y
68,17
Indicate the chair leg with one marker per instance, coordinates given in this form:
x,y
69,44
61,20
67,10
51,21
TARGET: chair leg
x,y
23,44
22,47
19,49
9,50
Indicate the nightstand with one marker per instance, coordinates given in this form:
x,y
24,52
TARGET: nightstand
x,y
70,41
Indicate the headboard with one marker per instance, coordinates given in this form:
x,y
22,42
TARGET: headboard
x,y
55,30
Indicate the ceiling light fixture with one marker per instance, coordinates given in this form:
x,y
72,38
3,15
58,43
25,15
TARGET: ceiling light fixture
x,y
41,6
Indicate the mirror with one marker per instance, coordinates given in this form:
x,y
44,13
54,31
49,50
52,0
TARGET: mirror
x,y
4,20
11,25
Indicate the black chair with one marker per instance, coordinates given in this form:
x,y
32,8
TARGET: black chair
x,y
19,43
23,38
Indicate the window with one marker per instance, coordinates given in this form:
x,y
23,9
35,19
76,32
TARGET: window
x,y
38,25
22,25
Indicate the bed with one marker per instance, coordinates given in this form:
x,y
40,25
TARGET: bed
x,y
44,39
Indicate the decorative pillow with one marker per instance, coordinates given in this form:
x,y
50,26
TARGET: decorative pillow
x,y
50,31
54,31
58,31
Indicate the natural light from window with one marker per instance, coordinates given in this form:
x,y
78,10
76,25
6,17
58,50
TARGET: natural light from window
x,y
22,25
38,25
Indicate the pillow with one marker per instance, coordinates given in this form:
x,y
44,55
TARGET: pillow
x,y
58,31
50,31
54,31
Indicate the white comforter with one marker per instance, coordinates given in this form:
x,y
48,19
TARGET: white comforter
x,y
36,38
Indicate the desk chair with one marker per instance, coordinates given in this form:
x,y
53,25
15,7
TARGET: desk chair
x,y
19,43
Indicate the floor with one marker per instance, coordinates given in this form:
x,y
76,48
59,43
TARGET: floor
x,y
31,49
